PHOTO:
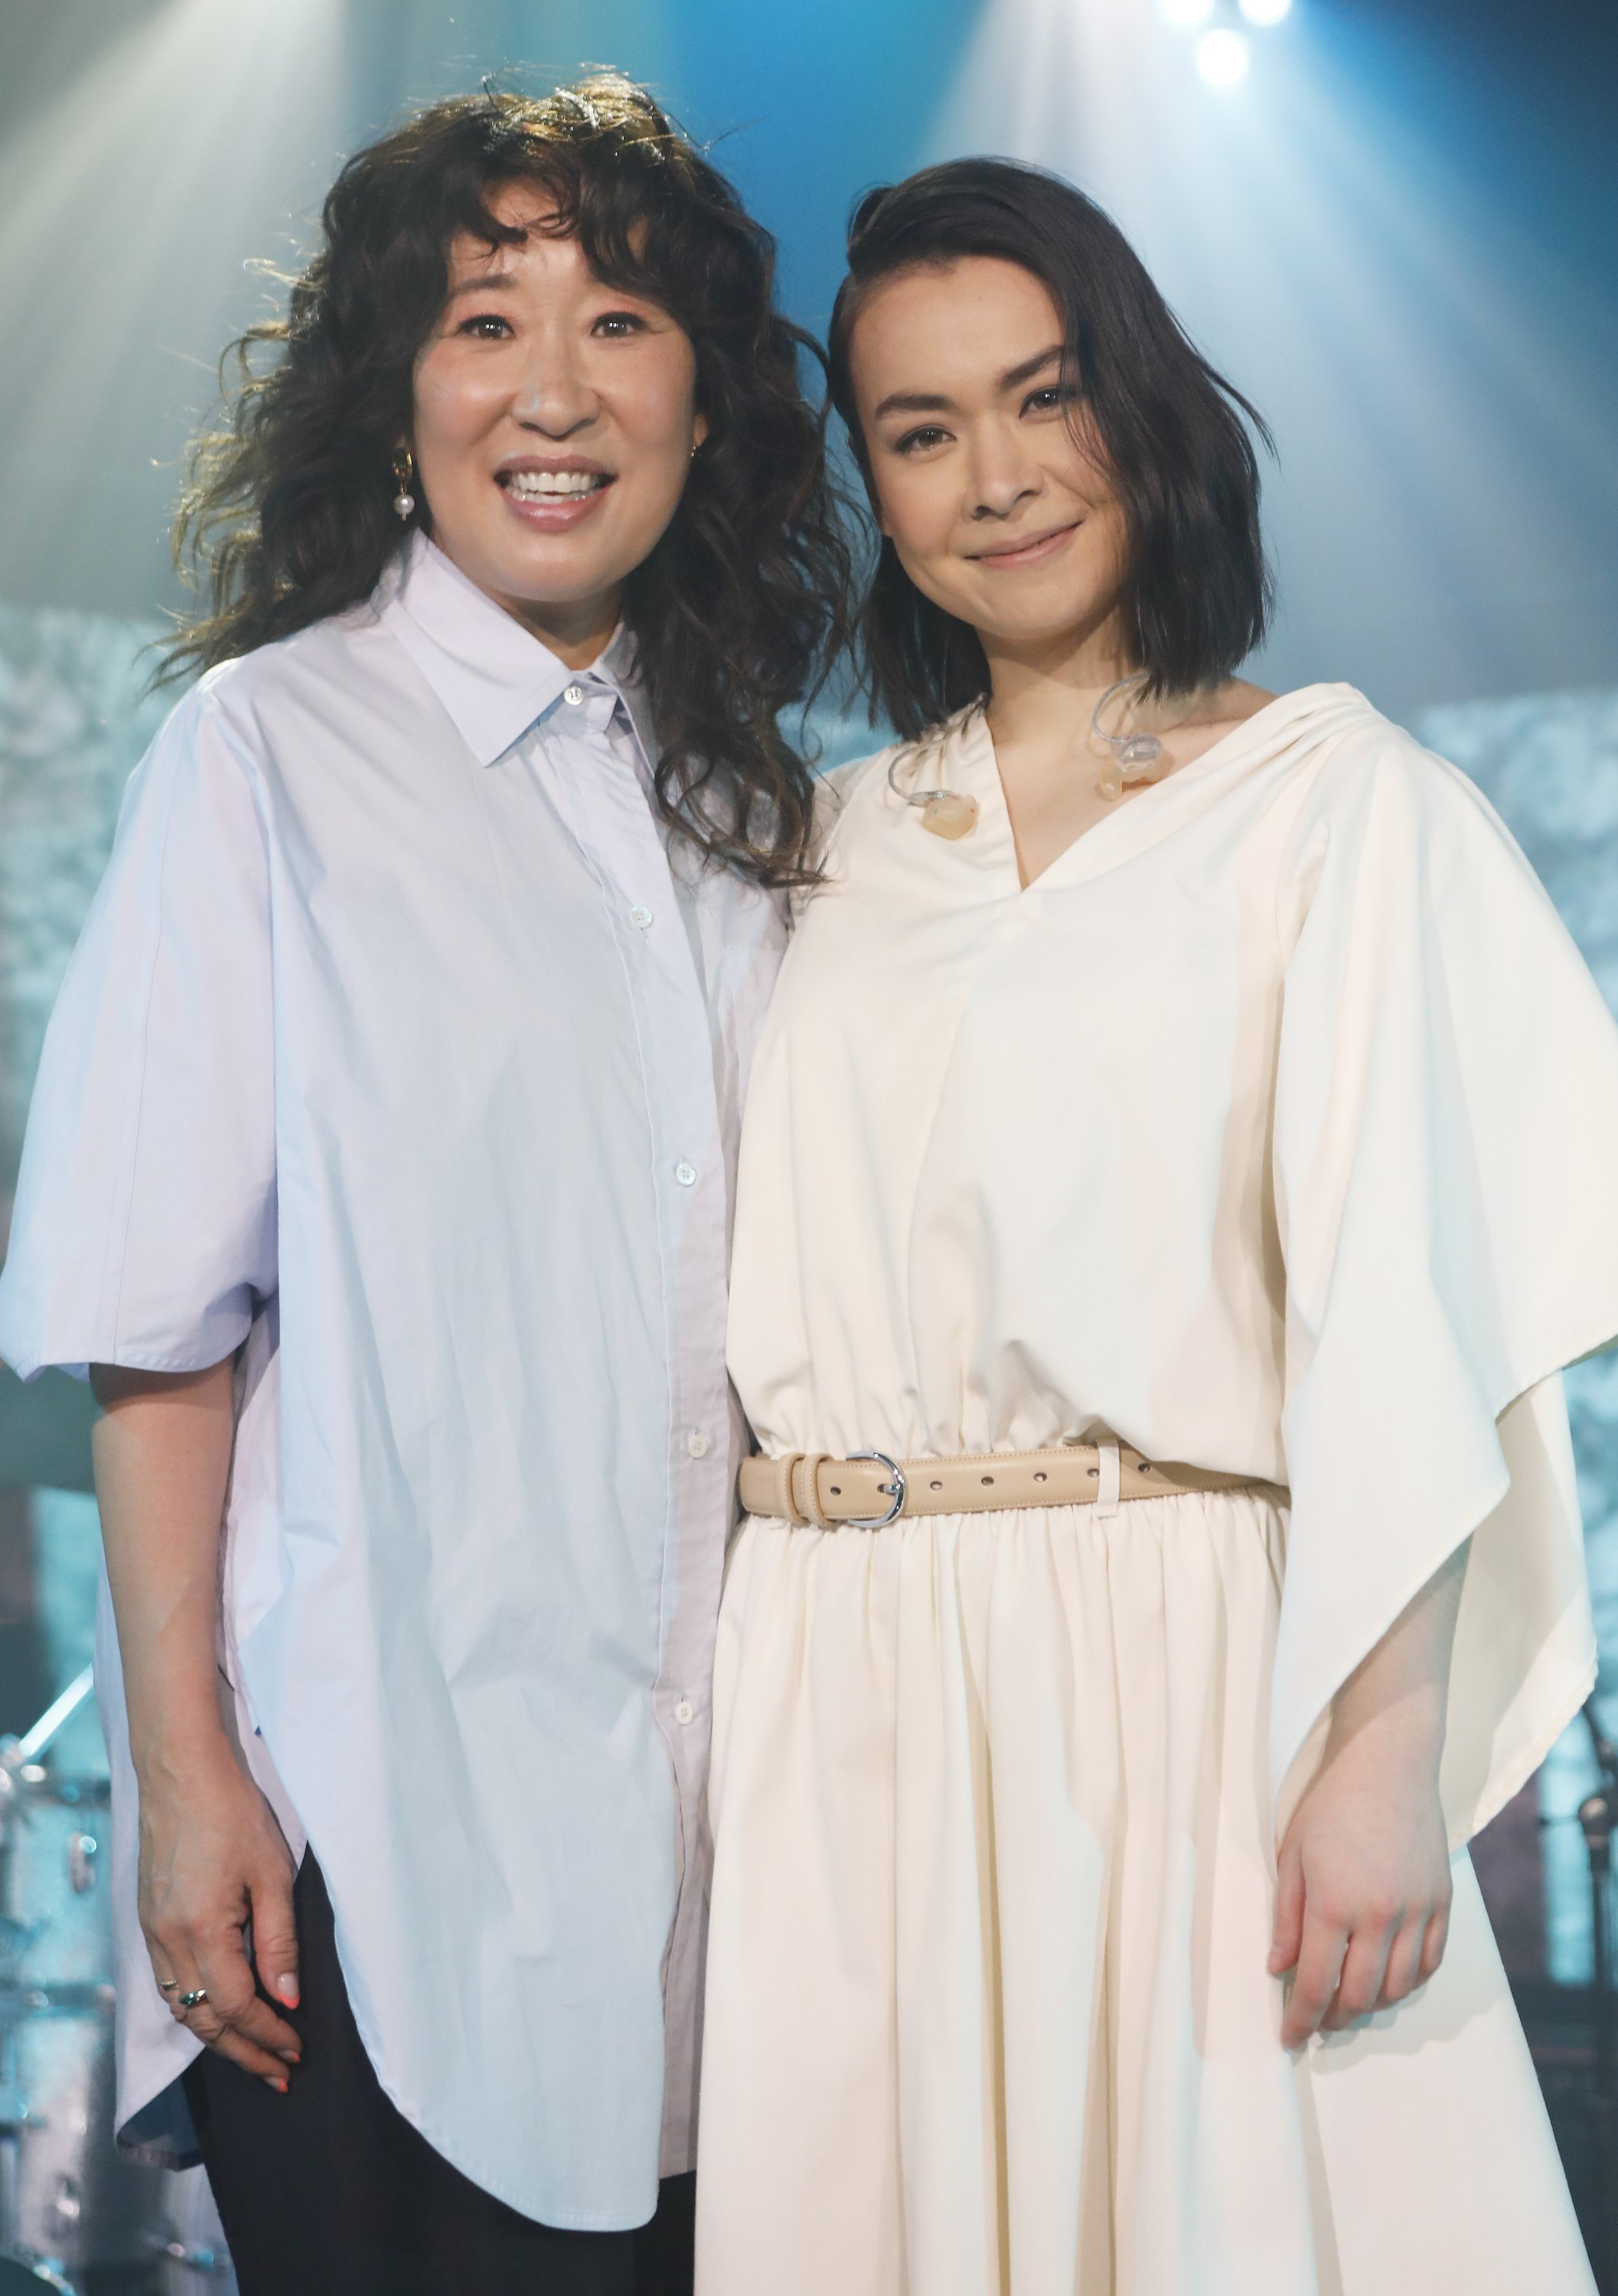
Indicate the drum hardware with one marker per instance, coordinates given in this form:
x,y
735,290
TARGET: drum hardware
x,y
67,2199
1598,1814
194,2259
21,1755
20,2277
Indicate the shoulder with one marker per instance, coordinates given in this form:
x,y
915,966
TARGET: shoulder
x,y
222,726
864,789
844,793
340,682
1381,817
342,648
840,786
1353,773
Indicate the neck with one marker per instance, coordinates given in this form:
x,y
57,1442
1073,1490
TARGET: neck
x,y
1041,687
577,631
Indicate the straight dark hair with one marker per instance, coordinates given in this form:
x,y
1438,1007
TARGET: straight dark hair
x,y
1196,591
740,607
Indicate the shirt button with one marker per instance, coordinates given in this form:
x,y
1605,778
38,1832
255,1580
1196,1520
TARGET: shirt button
x,y
640,917
696,1443
685,1711
686,1174
574,694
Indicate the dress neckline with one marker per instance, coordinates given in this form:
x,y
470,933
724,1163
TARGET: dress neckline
x,y
972,743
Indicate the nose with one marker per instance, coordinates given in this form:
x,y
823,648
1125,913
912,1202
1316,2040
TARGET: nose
x,y
1000,475
555,397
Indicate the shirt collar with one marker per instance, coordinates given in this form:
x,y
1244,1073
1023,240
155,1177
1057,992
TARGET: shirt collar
x,y
495,678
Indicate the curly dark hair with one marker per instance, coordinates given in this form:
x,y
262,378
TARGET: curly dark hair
x,y
1196,590
738,611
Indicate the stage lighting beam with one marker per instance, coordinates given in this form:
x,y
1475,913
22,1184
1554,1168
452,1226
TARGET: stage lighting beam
x,y
1265,11
1221,58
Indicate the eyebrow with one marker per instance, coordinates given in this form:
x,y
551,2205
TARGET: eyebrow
x,y
925,402
483,285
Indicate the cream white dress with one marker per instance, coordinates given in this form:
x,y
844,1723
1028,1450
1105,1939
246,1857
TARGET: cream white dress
x,y
1273,1129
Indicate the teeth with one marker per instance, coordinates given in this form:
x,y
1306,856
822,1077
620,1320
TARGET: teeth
x,y
551,486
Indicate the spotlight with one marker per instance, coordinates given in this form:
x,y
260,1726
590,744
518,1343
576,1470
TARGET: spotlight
x,y
1265,11
1188,12
1221,58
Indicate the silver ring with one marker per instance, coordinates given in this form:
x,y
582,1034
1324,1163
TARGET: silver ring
x,y
168,1985
194,2000
896,1490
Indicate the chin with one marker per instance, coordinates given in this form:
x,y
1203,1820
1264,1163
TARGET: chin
x,y
553,575
1030,621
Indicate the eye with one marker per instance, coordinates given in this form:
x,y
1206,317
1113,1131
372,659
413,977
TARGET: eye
x,y
1049,399
616,325
485,326
925,436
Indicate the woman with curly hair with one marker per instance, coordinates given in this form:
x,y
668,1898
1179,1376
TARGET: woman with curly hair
x,y
379,1172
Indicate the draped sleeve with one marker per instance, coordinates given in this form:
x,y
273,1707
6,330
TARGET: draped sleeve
x,y
1446,1179
145,1227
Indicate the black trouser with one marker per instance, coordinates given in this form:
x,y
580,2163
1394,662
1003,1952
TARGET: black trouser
x,y
329,2191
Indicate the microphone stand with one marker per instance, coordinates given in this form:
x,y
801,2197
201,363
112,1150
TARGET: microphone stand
x,y
1598,1814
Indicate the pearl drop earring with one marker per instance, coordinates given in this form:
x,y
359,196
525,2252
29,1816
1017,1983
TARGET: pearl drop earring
x,y
404,471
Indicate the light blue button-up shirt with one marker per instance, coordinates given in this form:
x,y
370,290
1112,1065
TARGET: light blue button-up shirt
x,y
402,1054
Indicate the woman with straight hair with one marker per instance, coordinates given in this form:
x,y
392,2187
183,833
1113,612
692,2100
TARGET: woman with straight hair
x,y
1177,1164
379,1172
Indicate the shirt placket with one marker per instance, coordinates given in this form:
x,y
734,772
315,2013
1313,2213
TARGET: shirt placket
x,y
591,743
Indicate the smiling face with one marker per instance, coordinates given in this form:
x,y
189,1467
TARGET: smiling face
x,y
999,511
555,422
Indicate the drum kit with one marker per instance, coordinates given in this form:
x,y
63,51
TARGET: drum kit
x,y
74,2215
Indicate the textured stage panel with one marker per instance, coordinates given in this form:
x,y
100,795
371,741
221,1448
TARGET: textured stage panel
x,y
73,722
1549,762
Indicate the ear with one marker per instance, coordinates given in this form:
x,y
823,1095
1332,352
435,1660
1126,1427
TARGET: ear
x,y
699,431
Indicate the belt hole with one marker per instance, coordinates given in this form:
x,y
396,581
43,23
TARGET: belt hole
x,y
1039,1477
988,1478
837,1490
1092,1470
938,1486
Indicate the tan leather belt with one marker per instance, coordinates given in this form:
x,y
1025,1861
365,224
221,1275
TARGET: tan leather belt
x,y
868,1490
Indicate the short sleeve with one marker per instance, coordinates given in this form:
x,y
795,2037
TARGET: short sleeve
x,y
145,1227
1446,1179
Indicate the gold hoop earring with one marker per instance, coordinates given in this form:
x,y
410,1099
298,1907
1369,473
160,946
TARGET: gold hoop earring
x,y
404,471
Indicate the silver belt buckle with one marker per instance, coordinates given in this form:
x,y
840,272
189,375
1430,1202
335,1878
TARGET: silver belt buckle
x,y
896,1490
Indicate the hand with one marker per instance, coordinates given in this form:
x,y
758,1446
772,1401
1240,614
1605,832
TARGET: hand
x,y
1362,1900
212,1860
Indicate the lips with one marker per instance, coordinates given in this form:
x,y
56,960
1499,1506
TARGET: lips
x,y
1027,549
551,493
553,486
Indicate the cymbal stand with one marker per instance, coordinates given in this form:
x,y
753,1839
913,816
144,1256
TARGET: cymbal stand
x,y
18,1758
1598,1814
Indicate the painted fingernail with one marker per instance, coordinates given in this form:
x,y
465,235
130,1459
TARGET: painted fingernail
x,y
290,2056
287,1987
278,2085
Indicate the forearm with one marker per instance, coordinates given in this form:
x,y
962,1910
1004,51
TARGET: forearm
x,y
163,1453
1363,1885
1399,1693
213,1863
